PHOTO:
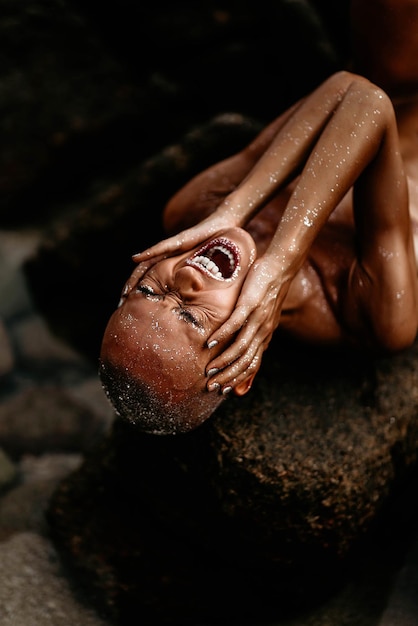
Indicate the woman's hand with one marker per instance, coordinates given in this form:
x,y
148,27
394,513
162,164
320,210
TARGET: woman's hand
x,y
140,271
255,318
221,219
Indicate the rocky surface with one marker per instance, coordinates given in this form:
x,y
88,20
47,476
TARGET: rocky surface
x,y
51,410
281,499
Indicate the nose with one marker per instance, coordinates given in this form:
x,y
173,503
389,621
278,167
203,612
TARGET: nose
x,y
188,279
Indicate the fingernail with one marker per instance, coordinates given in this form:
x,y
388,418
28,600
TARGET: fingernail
x,y
212,344
212,372
214,387
226,391
125,289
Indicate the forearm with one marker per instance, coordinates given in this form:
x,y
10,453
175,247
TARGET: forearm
x,y
360,138
288,152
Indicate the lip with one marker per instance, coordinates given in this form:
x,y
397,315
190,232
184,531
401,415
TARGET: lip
x,y
219,258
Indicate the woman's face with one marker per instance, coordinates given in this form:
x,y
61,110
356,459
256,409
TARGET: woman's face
x,y
160,330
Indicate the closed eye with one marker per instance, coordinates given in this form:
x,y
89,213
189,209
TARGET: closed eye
x,y
148,291
188,316
183,313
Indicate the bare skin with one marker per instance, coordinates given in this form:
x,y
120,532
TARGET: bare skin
x,y
327,195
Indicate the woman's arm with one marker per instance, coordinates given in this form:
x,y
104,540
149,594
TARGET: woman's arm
x,y
344,134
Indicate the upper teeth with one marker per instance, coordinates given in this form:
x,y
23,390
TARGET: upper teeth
x,y
209,265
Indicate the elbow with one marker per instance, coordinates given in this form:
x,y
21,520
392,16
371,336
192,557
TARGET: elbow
x,y
390,339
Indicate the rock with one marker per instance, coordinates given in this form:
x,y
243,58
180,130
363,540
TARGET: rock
x,y
23,507
272,498
14,248
38,344
6,352
47,467
74,115
403,602
46,419
61,104
34,589
8,471
90,393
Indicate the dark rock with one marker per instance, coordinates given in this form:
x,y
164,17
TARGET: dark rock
x,y
8,471
34,589
271,500
88,91
23,507
7,360
46,419
64,100
403,606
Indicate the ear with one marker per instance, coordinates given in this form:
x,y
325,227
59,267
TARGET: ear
x,y
244,386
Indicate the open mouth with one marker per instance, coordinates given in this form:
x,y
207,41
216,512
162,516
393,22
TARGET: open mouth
x,y
219,259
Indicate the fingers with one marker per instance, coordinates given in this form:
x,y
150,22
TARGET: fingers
x,y
255,326
228,329
189,238
236,350
161,248
239,371
142,269
182,242
249,319
135,277
233,365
